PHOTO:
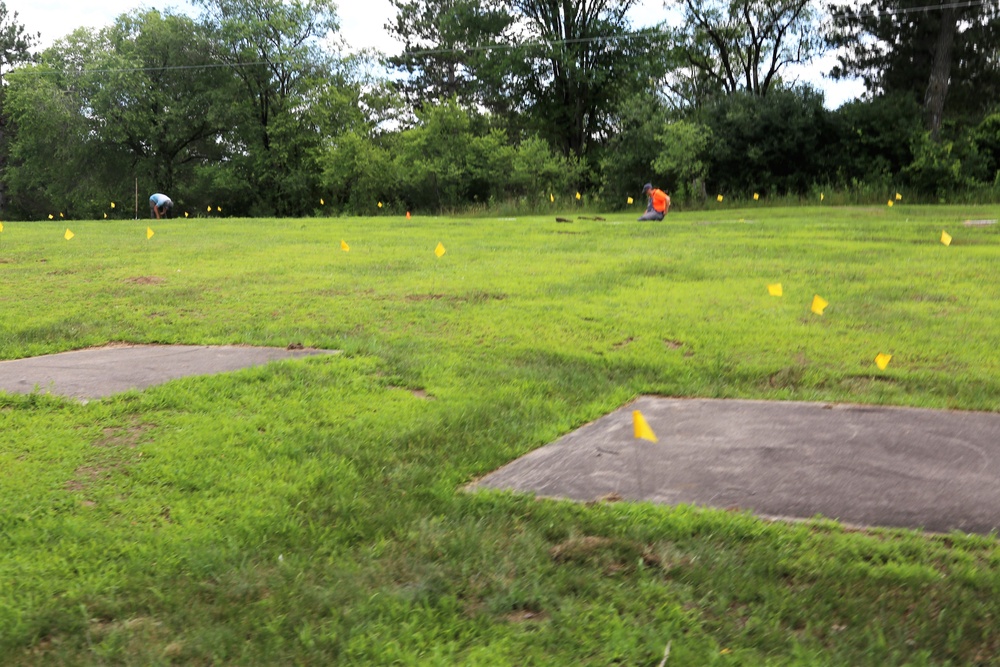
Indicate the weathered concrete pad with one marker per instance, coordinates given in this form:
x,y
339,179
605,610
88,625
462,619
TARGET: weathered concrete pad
x,y
863,465
98,372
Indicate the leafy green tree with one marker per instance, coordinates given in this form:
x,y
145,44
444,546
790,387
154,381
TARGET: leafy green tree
x,y
776,143
685,157
54,164
275,49
947,59
744,45
162,96
626,159
144,101
446,50
872,140
581,61
555,68
986,138
15,48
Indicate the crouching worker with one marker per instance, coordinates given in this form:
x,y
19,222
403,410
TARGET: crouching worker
x,y
659,203
160,206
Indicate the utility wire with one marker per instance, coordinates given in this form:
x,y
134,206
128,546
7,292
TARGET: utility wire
x,y
643,34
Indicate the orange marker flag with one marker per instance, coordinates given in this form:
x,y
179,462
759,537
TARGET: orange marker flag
x,y
68,235
439,250
882,360
641,427
774,290
819,304
149,233
407,215
945,237
344,246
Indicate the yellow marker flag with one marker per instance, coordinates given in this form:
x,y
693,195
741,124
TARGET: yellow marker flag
x,y
218,209
641,427
552,198
439,250
630,200
344,246
149,233
380,204
756,196
112,204
945,237
821,196
105,216
898,196
719,198
1,227
61,214
890,203
51,216
321,202
882,360
774,290
185,214
577,195
209,209
819,304
68,235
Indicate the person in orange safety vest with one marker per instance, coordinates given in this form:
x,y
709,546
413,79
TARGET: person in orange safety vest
x,y
659,203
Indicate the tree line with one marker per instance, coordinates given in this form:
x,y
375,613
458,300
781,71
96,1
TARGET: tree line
x,y
252,104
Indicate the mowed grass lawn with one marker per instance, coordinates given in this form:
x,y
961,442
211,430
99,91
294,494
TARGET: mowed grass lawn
x,y
311,512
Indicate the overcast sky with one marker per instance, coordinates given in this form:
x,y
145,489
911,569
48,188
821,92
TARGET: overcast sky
x,y
361,26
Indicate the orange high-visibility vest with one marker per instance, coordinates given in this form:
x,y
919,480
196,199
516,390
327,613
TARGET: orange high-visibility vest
x,y
661,202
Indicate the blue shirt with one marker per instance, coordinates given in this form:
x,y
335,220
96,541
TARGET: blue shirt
x,y
159,199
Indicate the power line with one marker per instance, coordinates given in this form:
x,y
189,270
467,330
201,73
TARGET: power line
x,y
913,10
643,34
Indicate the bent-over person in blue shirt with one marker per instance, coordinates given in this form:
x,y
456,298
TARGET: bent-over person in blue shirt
x,y
160,206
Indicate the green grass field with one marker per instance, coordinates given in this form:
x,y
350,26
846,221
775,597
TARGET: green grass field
x,y
311,512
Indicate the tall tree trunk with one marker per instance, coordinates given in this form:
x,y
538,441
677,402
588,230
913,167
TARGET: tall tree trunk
x,y
937,87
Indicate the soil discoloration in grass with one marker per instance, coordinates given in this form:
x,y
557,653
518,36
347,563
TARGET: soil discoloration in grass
x,y
470,297
123,436
526,616
625,343
145,280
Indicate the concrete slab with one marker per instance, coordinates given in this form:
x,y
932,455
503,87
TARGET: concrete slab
x,y
98,372
863,465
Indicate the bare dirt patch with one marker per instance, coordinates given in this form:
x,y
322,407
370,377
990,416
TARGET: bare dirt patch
x,y
145,280
123,436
